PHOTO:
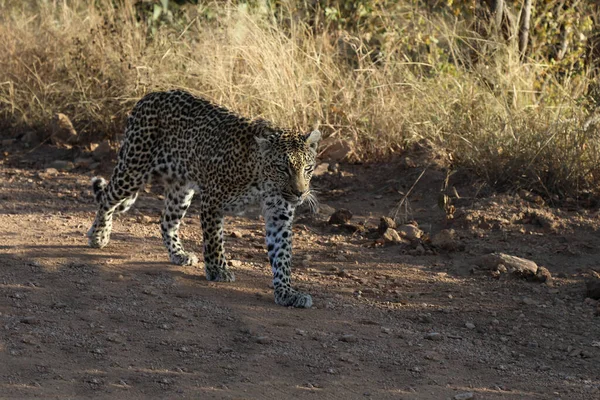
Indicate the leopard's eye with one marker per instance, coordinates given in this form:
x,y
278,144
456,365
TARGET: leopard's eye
x,y
282,168
309,169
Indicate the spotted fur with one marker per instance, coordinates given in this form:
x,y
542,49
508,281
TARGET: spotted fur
x,y
229,161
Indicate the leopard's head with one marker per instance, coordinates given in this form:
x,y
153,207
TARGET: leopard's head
x,y
289,161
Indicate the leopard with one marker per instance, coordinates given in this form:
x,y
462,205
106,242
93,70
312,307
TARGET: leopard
x,y
197,148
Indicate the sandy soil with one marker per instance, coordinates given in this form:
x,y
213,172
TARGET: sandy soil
x,y
122,322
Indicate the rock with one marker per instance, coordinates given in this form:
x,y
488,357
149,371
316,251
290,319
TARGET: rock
x,y
30,320
435,336
340,217
321,169
542,275
517,266
433,356
349,338
236,234
50,172
61,165
31,139
84,162
410,232
447,239
62,131
145,219
336,149
325,210
102,151
391,236
464,396
470,325
386,223
263,340
592,288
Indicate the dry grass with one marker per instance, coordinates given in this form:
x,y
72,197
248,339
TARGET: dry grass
x,y
93,62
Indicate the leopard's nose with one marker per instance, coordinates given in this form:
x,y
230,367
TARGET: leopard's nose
x,y
297,192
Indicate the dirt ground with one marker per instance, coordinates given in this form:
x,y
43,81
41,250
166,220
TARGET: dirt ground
x,y
398,321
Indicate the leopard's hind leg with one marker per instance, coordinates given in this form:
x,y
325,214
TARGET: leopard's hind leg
x,y
118,195
177,200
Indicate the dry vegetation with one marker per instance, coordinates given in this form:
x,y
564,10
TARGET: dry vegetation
x,y
404,73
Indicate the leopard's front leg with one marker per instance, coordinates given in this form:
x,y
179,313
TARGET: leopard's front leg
x,y
215,264
278,215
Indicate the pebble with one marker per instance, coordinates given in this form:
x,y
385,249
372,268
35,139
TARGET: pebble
x,y
433,356
391,236
339,217
470,325
61,165
434,336
386,223
410,232
236,234
30,320
349,338
446,239
263,340
464,396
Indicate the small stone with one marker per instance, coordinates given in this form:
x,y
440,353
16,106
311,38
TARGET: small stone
x,y
321,169
470,325
145,219
50,172
234,263
410,232
30,320
336,150
300,332
263,340
433,356
464,396
529,301
419,250
542,275
325,209
29,339
435,336
386,223
114,338
517,266
62,130
31,139
61,165
340,217
102,151
7,142
180,313
592,288
447,239
349,338
84,162
236,234
391,236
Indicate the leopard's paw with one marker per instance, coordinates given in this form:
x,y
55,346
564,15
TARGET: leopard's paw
x,y
220,275
289,297
184,259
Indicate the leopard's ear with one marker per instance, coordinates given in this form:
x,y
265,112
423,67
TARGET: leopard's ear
x,y
312,139
264,143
